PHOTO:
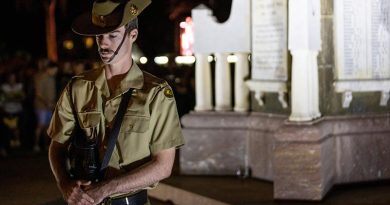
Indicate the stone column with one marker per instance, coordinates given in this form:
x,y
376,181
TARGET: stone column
x,y
223,90
304,44
241,91
304,89
202,83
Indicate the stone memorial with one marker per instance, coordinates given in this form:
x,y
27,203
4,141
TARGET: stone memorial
x,y
304,53
269,40
269,50
362,39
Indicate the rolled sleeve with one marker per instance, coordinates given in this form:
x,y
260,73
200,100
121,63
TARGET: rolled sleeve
x,y
166,124
62,121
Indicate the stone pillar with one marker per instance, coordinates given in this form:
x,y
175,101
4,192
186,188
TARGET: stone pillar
x,y
223,91
304,44
304,89
241,91
203,83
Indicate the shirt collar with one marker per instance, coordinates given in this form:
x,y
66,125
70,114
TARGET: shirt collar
x,y
133,79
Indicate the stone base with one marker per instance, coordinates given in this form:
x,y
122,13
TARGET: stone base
x,y
310,158
229,143
303,159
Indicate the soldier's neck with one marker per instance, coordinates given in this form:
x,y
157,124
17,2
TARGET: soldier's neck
x,y
118,68
116,72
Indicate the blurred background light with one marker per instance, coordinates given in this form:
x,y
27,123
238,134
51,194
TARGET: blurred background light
x,y
186,37
161,60
188,60
68,44
88,42
143,60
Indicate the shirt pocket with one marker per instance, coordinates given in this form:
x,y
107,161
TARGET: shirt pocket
x,y
133,139
89,121
135,123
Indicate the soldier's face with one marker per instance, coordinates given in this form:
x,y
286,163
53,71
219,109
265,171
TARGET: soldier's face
x,y
108,44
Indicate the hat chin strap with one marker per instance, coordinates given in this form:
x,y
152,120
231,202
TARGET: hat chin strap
x,y
119,47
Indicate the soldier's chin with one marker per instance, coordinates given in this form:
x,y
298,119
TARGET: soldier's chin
x,y
105,59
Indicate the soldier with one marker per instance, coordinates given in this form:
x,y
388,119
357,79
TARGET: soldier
x,y
150,130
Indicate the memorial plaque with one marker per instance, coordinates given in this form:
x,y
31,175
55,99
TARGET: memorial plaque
x,y
269,39
362,39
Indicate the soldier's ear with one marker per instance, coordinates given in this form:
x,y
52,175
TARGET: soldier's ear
x,y
133,34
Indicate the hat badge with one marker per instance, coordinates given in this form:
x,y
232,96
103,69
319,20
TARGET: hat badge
x,y
133,9
101,19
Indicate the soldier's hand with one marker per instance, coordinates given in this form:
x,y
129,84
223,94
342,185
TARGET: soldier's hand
x,y
96,192
73,192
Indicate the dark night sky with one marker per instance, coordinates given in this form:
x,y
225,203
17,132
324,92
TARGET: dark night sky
x,y
24,28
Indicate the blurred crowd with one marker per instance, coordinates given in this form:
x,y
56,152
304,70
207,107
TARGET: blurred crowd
x,y
29,89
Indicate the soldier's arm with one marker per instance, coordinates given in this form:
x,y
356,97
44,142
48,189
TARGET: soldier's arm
x,y
71,190
57,159
61,125
159,168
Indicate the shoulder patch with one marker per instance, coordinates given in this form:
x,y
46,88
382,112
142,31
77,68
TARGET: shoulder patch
x,y
168,92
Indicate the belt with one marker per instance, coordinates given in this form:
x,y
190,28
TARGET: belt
x,y
139,198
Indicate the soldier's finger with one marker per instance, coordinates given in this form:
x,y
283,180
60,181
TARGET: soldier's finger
x,y
79,183
88,198
76,195
72,201
86,202
85,183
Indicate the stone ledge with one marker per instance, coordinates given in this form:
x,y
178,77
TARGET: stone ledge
x,y
165,192
323,128
232,120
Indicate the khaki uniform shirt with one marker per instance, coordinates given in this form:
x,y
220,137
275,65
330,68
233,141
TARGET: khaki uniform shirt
x,y
150,124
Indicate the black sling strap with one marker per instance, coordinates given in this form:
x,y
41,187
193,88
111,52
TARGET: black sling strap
x,y
119,47
115,129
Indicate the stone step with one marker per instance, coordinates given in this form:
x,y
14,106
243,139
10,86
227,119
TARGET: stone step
x,y
212,190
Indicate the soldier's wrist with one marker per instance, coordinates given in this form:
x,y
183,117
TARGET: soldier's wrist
x,y
107,188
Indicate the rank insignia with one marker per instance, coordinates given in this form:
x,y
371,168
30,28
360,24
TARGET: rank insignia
x,y
168,93
133,9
